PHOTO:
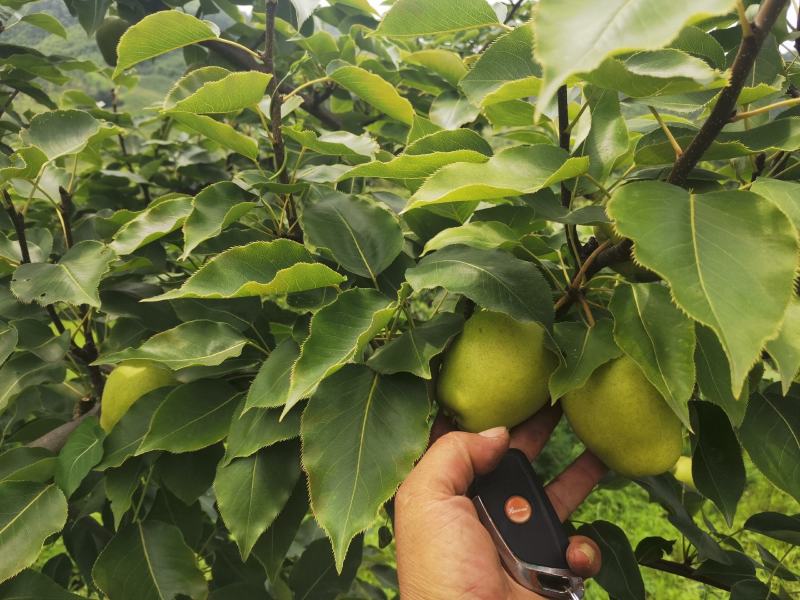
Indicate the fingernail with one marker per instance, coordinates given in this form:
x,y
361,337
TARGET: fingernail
x,y
588,552
494,432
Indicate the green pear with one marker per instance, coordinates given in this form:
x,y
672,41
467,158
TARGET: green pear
x,y
126,384
625,421
683,472
107,37
496,372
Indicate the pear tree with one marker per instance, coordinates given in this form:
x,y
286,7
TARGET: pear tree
x,y
222,288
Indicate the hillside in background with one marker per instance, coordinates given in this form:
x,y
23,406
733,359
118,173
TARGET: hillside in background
x,y
155,77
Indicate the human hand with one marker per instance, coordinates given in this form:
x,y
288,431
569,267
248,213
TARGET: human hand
x,y
443,550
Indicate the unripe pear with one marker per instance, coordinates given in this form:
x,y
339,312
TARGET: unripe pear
x,y
126,384
107,37
625,421
496,372
683,472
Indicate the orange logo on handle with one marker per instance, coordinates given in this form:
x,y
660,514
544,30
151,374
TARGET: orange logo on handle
x,y
518,510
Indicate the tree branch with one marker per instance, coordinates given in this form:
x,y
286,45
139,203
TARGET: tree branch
x,y
54,440
566,194
725,107
246,62
686,572
719,117
514,8
19,226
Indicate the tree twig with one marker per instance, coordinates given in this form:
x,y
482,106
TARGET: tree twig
x,y
66,207
513,11
673,142
726,103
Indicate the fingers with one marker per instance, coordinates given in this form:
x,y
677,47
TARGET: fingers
x,y
452,462
532,435
583,556
569,489
441,425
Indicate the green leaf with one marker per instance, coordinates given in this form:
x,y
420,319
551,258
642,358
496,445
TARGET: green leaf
x,y
257,269
74,279
271,548
488,235
655,149
8,341
412,18
213,210
159,33
426,155
714,376
193,416
445,63
655,74
31,585
373,90
334,143
46,22
361,434
258,428
608,138
619,575
120,485
222,133
785,349
151,224
622,17
491,278
27,464
512,172
584,349
770,433
362,236
697,42
413,166
61,132
505,71
252,491
232,93
124,439
782,193
31,513
81,453
24,370
450,111
717,467
155,560
338,333
412,351
659,338
270,388
775,525
196,343
190,83
710,248
189,475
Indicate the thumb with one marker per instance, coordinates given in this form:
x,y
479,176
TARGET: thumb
x,y
452,462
